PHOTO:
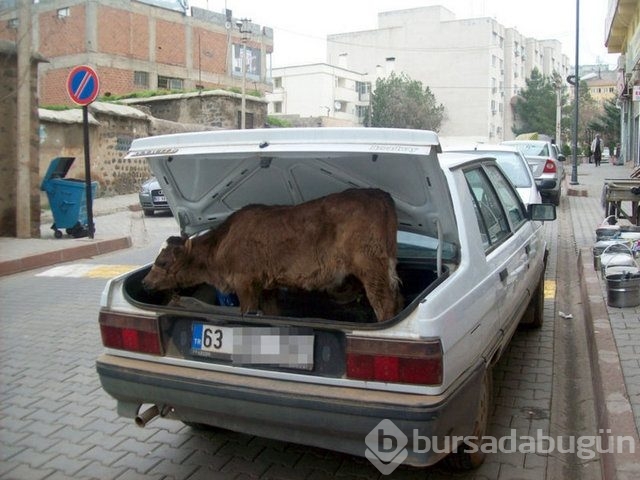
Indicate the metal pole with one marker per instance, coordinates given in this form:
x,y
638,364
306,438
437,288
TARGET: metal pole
x,y
87,171
574,169
243,108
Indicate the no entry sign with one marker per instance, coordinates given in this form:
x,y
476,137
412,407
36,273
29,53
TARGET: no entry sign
x,y
83,85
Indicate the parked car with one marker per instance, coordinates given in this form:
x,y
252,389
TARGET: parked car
x,y
470,257
514,165
152,198
546,162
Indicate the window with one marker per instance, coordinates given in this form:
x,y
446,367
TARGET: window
x,y
277,107
141,79
169,83
63,12
277,82
13,23
492,221
508,196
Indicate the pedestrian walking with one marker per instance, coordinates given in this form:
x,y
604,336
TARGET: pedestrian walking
x,y
596,149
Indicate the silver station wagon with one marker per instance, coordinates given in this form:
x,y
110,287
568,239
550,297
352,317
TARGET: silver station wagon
x,y
471,262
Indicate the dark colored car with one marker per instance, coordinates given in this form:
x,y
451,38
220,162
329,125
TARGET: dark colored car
x,y
152,198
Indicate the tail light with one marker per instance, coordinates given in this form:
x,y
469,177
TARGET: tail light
x,y
132,333
549,167
395,361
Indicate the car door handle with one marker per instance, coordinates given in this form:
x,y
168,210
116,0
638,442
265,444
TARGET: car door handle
x,y
503,274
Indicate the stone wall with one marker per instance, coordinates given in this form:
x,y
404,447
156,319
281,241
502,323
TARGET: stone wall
x,y
112,127
111,130
213,109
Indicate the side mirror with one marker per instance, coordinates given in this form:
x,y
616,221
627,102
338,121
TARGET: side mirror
x,y
561,158
543,212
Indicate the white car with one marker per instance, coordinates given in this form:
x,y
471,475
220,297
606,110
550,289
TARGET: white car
x,y
514,165
471,262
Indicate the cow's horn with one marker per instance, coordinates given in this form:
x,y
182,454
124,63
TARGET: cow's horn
x,y
187,246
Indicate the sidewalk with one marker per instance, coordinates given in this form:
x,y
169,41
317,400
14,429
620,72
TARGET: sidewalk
x,y
112,233
614,333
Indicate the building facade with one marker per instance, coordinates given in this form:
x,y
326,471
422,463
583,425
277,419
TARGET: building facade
x,y
137,45
321,90
622,33
475,67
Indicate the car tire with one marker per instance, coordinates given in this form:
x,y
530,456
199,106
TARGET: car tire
x,y
533,317
149,212
462,460
556,199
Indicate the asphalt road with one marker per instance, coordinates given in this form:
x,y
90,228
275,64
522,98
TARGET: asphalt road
x,y
57,423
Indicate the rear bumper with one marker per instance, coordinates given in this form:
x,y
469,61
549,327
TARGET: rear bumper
x,y
331,417
547,184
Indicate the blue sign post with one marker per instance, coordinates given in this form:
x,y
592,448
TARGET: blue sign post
x,y
83,86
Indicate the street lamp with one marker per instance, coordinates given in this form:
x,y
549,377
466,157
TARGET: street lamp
x,y
243,26
574,169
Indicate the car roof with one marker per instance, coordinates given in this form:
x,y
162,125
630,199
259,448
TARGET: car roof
x,y
482,147
534,142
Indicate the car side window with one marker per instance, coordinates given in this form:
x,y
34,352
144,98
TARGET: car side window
x,y
508,196
491,218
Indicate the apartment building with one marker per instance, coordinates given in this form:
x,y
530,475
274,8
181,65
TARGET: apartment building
x,y
333,94
140,45
622,32
475,66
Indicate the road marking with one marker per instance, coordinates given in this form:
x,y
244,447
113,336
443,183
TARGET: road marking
x,y
549,289
87,270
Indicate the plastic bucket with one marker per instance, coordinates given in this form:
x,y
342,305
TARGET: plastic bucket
x,y
623,290
598,249
616,255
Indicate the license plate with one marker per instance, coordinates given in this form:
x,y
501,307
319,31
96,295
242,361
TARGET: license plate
x,y
213,339
159,199
284,347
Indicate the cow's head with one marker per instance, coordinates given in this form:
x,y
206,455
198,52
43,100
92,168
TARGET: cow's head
x,y
170,270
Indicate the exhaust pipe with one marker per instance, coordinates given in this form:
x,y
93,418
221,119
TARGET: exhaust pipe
x,y
145,417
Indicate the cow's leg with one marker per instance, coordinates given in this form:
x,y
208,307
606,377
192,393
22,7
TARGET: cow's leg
x,y
380,282
249,297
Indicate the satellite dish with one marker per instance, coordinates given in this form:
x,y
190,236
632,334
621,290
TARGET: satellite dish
x,y
227,25
337,105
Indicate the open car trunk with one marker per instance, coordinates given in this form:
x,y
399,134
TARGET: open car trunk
x,y
347,305
206,176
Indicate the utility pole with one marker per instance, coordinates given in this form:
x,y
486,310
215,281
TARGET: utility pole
x,y
574,169
23,140
243,26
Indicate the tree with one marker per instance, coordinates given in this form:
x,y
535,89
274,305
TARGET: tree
x,y
535,107
608,123
587,113
401,102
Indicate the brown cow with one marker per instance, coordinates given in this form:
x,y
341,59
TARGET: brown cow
x,y
312,246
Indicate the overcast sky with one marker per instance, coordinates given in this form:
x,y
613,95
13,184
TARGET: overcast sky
x,y
301,26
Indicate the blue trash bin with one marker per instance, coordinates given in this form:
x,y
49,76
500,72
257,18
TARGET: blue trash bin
x,y
67,198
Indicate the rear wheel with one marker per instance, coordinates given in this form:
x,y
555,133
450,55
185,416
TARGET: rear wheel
x,y
469,454
148,212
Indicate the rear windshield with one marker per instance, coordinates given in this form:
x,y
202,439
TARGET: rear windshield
x,y
515,168
533,149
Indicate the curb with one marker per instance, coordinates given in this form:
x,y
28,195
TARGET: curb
x,y
614,415
45,259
